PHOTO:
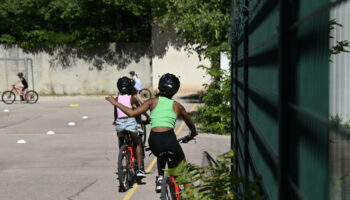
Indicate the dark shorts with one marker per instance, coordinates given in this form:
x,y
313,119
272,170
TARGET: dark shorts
x,y
165,141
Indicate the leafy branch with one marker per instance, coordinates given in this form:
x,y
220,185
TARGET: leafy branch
x,y
341,46
215,182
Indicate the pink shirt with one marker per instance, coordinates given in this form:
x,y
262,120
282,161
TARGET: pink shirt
x,y
126,101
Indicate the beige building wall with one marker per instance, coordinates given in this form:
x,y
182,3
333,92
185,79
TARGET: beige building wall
x,y
170,56
81,76
185,67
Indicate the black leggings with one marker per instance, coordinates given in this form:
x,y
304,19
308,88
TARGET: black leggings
x,y
165,141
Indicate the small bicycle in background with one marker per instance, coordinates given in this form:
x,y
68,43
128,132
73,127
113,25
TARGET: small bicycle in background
x,y
170,189
9,96
145,94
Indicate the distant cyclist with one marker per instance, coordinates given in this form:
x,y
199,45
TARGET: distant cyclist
x,y
164,112
137,87
24,85
125,123
138,83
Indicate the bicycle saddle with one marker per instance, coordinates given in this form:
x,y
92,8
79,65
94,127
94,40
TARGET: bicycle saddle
x,y
165,154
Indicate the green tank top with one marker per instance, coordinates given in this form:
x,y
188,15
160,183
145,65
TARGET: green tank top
x,y
163,114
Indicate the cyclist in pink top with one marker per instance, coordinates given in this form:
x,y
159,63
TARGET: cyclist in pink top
x,y
124,123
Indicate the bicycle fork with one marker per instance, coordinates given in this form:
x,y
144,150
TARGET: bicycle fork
x,y
176,188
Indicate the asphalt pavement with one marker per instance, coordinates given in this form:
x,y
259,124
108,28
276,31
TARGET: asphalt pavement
x,y
76,162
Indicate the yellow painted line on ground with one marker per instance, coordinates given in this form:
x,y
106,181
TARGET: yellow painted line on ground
x,y
74,105
154,161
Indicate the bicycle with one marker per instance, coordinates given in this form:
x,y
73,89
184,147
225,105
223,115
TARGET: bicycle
x,y
9,96
127,165
145,93
170,189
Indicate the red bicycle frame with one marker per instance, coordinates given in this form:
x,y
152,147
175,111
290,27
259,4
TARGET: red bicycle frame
x,y
132,158
17,92
176,186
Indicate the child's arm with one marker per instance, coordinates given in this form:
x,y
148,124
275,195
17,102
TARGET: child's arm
x,y
187,119
130,112
138,97
15,83
115,112
135,101
147,116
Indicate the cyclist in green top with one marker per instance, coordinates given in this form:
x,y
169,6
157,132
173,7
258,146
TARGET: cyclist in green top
x,y
164,112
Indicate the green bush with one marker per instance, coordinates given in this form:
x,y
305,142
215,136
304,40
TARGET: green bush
x,y
215,116
214,182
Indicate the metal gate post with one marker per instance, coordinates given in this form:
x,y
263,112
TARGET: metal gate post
x,y
232,38
26,66
236,97
232,79
283,90
245,79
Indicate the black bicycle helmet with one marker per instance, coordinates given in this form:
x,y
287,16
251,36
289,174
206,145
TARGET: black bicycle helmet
x,y
125,85
20,74
168,85
132,73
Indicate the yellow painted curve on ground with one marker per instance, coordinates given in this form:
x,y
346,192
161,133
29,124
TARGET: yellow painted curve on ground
x,y
150,166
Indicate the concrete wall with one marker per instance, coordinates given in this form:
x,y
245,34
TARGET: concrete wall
x,y
170,56
68,72
71,73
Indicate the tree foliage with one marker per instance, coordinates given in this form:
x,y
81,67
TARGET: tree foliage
x,y
80,23
215,115
203,24
215,181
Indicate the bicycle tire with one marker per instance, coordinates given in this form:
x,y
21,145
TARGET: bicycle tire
x,y
32,96
168,189
124,175
8,97
145,94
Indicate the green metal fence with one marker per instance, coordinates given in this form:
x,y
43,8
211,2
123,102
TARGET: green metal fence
x,y
280,89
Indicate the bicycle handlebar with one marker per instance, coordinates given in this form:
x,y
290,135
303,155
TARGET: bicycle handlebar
x,y
185,139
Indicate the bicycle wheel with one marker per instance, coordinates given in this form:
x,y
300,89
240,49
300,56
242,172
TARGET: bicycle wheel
x,y
124,168
145,93
32,96
8,97
168,190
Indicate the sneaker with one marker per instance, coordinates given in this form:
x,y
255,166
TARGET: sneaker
x,y
159,184
140,173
